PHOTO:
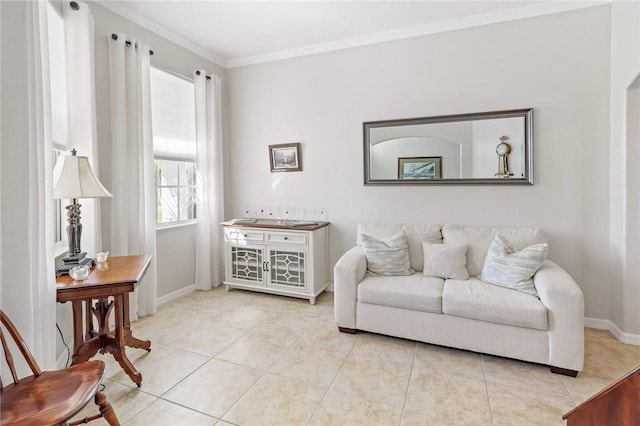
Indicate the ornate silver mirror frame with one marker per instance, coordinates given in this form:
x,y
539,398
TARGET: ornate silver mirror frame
x,y
479,148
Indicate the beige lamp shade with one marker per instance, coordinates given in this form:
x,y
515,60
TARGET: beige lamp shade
x,y
74,178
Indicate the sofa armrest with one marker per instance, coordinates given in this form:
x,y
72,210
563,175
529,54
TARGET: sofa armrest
x,y
348,272
564,301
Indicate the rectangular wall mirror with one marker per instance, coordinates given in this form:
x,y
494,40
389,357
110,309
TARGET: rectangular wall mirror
x,y
480,148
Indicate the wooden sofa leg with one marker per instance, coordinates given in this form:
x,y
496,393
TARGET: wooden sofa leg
x,y
347,330
564,371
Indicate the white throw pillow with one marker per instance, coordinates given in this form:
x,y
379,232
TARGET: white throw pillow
x,y
387,256
506,267
445,260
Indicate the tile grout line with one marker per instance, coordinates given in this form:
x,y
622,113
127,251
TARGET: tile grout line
x,y
326,391
486,387
406,392
264,372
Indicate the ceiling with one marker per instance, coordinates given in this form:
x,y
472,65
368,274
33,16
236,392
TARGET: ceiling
x,y
235,33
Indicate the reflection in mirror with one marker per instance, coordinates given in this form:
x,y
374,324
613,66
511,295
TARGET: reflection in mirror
x,y
494,147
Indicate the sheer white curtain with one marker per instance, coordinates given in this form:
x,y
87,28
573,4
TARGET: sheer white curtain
x,y
209,181
82,132
133,206
27,276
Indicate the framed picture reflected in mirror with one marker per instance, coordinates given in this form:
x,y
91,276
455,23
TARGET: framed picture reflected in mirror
x,y
419,168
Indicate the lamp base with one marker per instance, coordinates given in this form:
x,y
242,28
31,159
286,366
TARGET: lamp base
x,y
69,262
74,258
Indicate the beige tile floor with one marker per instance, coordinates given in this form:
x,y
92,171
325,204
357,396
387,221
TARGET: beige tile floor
x,y
243,358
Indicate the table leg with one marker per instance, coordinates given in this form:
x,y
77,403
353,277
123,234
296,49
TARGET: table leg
x,y
131,341
78,326
118,348
88,320
84,346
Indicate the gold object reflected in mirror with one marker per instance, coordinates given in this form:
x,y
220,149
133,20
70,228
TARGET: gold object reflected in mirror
x,y
503,150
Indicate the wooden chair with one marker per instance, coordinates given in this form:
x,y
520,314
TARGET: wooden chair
x,y
49,397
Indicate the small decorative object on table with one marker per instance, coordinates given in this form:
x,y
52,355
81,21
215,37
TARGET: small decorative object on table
x,y
79,273
244,220
102,257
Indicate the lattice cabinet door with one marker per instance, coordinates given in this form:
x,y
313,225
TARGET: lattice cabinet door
x,y
247,264
287,268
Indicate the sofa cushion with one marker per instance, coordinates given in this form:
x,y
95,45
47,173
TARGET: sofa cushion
x,y
415,292
416,234
387,256
478,300
445,260
506,267
479,238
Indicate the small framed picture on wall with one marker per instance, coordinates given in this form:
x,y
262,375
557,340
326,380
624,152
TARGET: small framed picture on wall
x,y
285,157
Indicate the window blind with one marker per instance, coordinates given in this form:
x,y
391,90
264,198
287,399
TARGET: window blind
x,y
173,116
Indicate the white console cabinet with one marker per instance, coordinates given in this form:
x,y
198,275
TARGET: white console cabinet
x,y
277,257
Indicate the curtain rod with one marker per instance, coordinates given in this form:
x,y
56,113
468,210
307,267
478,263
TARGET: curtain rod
x,y
114,36
208,76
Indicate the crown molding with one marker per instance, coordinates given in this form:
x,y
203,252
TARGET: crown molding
x,y
126,12
421,30
538,9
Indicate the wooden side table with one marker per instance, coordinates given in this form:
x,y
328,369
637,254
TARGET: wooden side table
x,y
617,404
106,289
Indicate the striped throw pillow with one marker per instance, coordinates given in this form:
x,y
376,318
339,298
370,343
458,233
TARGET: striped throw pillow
x,y
387,256
506,267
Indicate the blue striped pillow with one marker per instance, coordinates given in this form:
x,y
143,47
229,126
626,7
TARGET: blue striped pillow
x,y
506,267
388,256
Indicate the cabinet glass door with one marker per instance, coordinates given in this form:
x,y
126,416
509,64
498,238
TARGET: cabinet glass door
x,y
287,268
247,264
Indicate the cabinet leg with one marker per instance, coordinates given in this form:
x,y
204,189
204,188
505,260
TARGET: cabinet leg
x,y
226,287
312,300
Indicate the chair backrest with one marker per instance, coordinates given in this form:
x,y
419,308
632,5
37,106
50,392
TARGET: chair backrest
x,y
22,346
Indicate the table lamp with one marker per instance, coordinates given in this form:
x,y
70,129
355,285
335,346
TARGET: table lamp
x,y
74,179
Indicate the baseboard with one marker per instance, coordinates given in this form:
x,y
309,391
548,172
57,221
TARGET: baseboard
x,y
600,324
176,294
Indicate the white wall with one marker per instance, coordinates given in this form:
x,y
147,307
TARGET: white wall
x,y
625,176
557,64
176,251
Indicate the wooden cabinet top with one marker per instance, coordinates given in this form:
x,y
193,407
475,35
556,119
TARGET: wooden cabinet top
x,y
293,225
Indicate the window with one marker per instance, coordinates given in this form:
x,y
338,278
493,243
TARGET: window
x,y
176,191
55,42
59,236
174,146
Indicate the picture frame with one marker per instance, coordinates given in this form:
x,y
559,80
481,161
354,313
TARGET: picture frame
x,y
419,168
285,157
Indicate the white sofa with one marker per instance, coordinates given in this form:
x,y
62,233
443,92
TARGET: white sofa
x,y
466,314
